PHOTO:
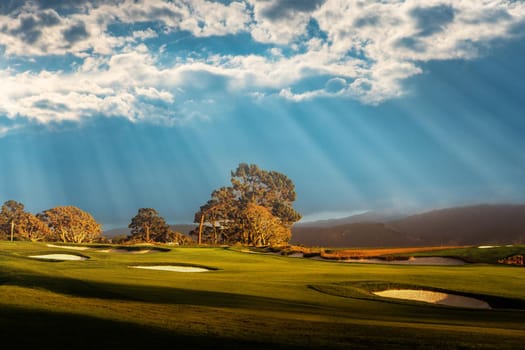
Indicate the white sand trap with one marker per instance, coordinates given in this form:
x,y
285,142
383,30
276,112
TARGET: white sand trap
x,y
487,246
434,298
173,268
59,257
127,251
67,247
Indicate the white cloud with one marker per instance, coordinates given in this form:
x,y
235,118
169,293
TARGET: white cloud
x,y
207,18
5,130
390,37
364,49
144,34
155,94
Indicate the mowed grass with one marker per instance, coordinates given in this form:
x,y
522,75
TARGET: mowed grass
x,y
249,301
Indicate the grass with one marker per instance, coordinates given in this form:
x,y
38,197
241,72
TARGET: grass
x,y
250,301
478,255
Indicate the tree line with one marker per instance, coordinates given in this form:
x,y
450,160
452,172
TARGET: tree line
x,y
255,210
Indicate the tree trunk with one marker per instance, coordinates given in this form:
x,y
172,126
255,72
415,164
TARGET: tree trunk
x,y
200,228
12,229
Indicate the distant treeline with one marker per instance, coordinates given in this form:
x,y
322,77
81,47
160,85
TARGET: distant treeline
x,y
255,210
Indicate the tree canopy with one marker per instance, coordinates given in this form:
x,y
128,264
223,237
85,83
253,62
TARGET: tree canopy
x,y
71,224
11,215
16,223
255,210
149,226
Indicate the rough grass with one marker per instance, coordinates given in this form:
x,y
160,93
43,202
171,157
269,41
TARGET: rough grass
x,y
478,255
373,253
250,301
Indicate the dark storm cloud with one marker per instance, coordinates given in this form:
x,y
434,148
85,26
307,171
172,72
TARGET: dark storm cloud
x,y
366,21
75,33
285,8
28,31
30,28
49,18
13,7
431,20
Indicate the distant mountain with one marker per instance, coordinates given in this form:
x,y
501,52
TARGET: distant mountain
x,y
470,225
123,231
365,234
382,216
182,228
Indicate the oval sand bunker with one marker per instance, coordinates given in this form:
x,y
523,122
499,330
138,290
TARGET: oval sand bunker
x,y
434,298
173,268
59,257
67,247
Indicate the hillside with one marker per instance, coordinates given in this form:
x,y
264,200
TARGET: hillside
x,y
350,235
367,217
480,224
469,225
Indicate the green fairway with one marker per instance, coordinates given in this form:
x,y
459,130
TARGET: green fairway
x,y
246,301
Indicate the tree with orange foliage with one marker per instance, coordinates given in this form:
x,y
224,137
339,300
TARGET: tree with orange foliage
x,y
263,228
255,210
71,224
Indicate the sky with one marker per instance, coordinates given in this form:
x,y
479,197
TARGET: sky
x,y
116,105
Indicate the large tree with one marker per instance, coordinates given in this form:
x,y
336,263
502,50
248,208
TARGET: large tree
x,y
71,224
258,202
214,216
33,229
10,217
148,226
15,222
269,189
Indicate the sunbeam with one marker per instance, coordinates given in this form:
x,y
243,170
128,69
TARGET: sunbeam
x,y
136,109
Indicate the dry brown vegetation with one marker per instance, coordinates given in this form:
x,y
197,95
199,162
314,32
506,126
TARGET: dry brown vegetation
x,y
381,252
359,253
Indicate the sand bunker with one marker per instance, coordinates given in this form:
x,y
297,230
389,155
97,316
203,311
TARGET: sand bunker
x,y
173,268
434,298
59,257
125,251
67,247
412,261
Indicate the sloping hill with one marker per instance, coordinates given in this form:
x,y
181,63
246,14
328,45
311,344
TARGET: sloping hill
x,y
351,235
369,217
469,225
480,224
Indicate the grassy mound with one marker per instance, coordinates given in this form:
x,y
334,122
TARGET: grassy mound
x,y
364,290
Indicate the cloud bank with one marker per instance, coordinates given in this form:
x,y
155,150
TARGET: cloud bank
x,y
146,60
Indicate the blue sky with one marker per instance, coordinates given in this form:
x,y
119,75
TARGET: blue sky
x,y
365,105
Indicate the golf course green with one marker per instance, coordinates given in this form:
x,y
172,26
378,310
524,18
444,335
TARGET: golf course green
x,y
243,300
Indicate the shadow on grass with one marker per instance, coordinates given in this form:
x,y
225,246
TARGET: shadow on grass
x,y
49,330
363,290
151,294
